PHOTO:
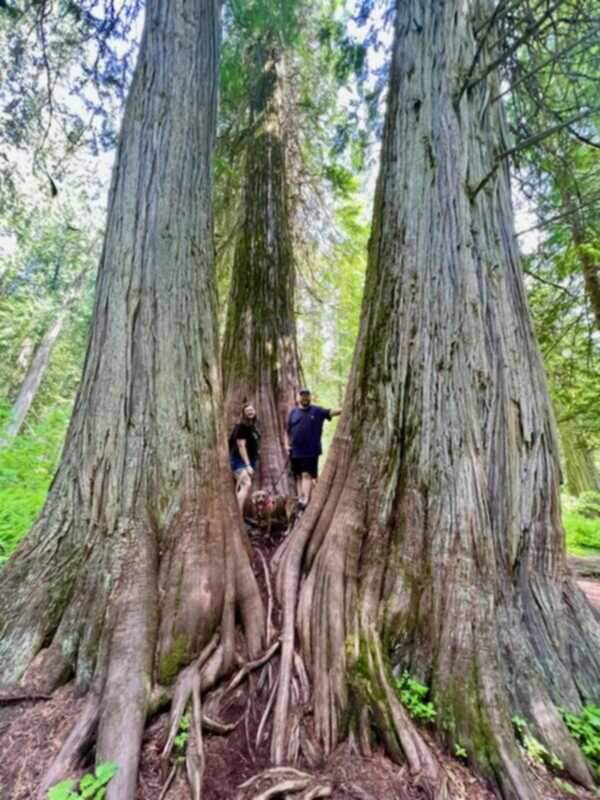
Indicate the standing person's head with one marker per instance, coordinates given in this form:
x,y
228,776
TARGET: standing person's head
x,y
248,416
304,397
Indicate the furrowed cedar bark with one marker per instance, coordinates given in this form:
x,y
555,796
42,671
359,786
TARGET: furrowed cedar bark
x,y
434,541
136,559
260,354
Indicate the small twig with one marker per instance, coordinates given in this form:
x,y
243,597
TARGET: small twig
x,y
292,785
18,698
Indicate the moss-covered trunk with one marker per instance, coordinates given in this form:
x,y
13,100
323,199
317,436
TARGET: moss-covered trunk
x,y
260,354
135,560
434,541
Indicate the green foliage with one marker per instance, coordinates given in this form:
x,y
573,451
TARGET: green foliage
x,y
588,505
182,738
535,750
27,466
585,729
460,752
91,786
582,533
566,787
414,698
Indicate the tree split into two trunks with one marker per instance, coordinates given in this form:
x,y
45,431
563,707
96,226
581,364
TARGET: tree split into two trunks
x,y
137,558
434,541
260,352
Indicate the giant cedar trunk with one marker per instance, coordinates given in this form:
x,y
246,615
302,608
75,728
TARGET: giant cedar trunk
x,y
135,560
434,541
260,355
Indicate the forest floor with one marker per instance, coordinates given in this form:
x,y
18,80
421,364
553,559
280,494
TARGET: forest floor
x,y
31,733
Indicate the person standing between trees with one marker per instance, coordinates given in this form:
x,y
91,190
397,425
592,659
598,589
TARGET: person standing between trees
x,y
244,444
304,429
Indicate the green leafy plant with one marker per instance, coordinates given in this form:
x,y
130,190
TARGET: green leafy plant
x,y
460,752
182,738
535,750
90,787
414,697
566,787
585,729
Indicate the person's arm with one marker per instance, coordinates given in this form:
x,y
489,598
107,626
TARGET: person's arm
x,y
241,443
334,412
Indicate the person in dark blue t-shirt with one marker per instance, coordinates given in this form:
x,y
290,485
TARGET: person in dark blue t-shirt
x,y
304,429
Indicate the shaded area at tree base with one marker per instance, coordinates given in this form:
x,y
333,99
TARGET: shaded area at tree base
x,y
32,732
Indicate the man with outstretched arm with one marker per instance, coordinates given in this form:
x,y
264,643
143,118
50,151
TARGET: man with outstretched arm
x,y
304,429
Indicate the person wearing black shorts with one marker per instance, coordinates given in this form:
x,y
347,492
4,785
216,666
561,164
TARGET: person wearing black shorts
x,y
304,428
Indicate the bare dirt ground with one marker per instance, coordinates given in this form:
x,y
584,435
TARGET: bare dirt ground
x,y
31,733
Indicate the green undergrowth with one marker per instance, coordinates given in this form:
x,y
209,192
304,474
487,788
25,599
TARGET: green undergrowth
x,y
27,466
414,697
536,751
90,786
581,518
585,729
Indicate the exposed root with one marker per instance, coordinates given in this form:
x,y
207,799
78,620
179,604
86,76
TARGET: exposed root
x,y
168,782
399,726
74,747
195,760
320,790
274,772
281,782
249,666
284,788
270,603
220,728
266,713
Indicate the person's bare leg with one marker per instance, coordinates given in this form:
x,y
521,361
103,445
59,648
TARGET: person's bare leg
x,y
299,487
242,489
307,484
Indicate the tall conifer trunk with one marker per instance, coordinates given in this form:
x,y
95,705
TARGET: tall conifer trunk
x,y
434,542
136,559
260,354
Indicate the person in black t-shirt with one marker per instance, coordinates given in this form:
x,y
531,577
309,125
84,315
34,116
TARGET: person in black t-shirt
x,y
304,430
244,442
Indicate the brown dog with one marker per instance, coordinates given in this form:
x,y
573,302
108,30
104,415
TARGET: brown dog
x,y
270,512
